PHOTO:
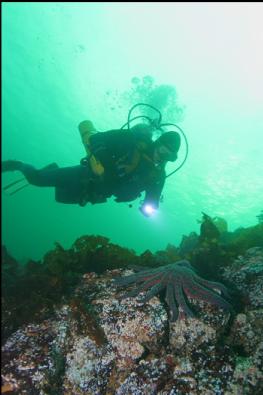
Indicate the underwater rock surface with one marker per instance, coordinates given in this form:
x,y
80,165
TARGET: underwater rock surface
x,y
97,343
246,334
247,274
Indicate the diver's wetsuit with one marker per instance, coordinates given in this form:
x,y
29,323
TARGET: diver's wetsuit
x,y
117,148
52,175
68,181
114,149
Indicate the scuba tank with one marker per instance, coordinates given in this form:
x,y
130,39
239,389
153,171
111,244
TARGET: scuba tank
x,y
86,130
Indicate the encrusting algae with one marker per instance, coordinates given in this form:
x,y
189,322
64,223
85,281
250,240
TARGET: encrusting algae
x,y
69,329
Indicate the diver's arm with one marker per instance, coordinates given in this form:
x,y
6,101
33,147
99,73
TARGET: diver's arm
x,y
152,198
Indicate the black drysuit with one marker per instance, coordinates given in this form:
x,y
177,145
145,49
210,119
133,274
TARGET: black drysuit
x,y
115,149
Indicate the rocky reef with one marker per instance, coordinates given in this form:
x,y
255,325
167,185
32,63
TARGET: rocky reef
x,y
70,328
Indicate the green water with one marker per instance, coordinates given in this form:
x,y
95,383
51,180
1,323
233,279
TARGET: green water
x,y
59,62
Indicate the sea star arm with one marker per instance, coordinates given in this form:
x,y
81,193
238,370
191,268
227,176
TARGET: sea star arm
x,y
213,285
170,300
196,291
181,283
184,310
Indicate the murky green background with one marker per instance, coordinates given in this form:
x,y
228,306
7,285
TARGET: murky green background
x,y
61,60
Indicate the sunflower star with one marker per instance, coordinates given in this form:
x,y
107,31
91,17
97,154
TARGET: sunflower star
x,y
181,283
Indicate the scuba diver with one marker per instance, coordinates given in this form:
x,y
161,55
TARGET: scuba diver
x,y
122,163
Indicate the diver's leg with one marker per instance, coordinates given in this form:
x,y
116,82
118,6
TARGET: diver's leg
x,y
32,175
48,177
58,177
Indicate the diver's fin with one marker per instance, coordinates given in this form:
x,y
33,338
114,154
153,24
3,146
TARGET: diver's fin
x,y
18,189
9,186
13,183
